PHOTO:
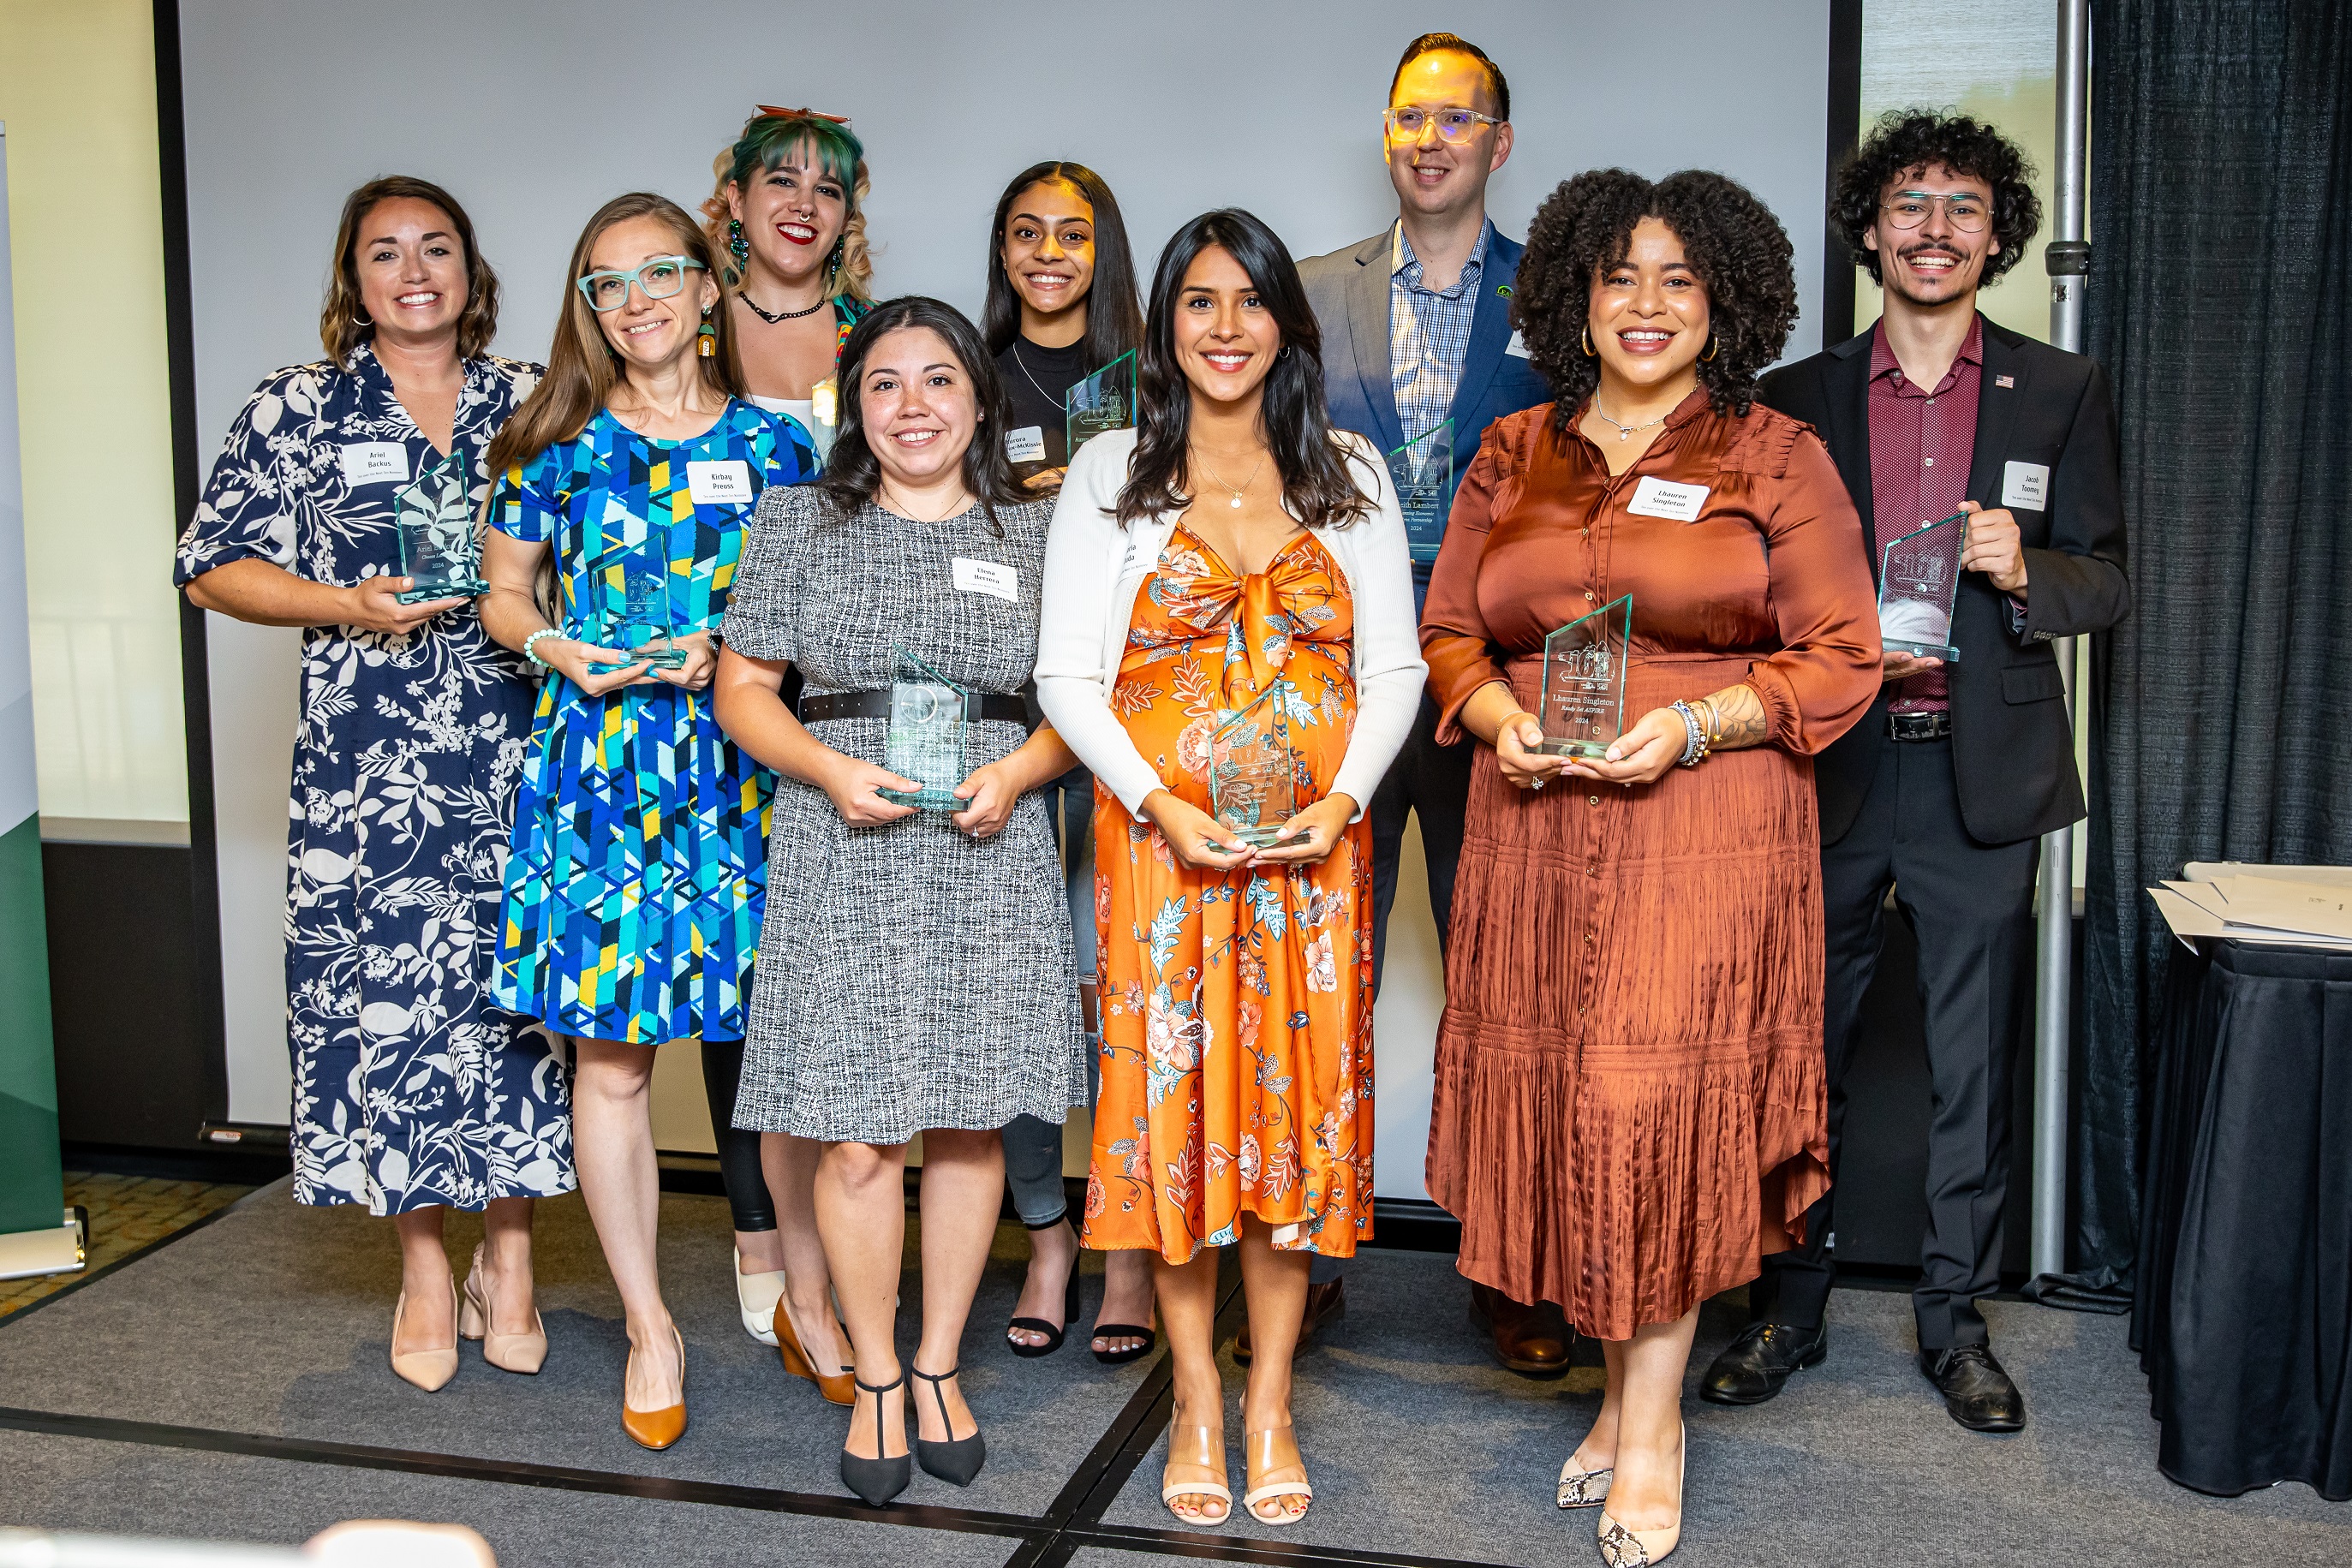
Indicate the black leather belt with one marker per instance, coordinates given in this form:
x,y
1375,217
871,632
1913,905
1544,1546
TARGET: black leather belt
x,y
977,705
1919,726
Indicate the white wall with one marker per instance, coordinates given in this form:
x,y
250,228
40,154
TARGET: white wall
x,y
532,115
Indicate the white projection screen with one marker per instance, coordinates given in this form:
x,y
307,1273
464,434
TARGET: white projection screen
x,y
533,113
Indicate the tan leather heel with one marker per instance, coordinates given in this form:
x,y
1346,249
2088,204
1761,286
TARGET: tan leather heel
x,y
522,1352
430,1370
658,1429
1274,1469
1196,1468
839,1389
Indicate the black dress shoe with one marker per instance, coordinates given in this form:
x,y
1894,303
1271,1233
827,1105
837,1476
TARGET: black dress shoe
x,y
1755,1366
1531,1340
1977,1392
1324,1303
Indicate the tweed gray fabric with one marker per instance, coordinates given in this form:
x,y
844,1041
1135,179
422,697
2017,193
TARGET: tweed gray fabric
x,y
910,976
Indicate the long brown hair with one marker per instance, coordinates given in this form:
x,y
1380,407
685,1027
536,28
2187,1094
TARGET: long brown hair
x,y
583,369
343,323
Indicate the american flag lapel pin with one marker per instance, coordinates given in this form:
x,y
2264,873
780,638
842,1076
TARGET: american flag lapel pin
x,y
2004,381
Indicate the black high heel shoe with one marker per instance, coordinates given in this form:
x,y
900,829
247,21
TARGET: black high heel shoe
x,y
958,1460
877,1481
1054,1336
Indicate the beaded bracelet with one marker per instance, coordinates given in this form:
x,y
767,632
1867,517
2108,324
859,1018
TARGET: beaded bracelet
x,y
1694,747
531,646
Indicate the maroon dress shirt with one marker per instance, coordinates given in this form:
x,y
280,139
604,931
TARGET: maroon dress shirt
x,y
1921,444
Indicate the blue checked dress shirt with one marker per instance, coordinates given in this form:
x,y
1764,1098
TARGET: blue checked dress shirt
x,y
1429,333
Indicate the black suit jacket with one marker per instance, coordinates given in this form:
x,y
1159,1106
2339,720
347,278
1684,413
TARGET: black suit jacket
x,y
2012,749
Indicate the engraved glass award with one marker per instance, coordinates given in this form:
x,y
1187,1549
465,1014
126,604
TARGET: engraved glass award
x,y
1918,577
434,519
643,625
1583,705
1424,471
926,742
1104,401
1253,772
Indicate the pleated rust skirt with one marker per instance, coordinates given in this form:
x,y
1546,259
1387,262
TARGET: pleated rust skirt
x,y
1629,1107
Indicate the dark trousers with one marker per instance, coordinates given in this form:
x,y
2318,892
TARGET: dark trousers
x,y
1971,907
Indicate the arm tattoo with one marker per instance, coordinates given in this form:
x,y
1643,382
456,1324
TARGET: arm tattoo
x,y
1741,718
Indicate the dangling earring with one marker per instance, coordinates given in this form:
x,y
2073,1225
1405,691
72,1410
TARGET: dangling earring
x,y
707,340
833,262
737,245
1588,344
1714,344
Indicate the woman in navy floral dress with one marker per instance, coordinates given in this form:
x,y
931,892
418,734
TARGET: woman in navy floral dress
x,y
413,1094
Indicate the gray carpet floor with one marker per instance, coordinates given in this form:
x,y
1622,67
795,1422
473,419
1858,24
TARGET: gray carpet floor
x,y
75,1483
273,1321
1418,1444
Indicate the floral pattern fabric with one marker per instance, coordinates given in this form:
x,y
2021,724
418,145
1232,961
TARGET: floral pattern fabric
x,y
411,1087
639,873
1237,1008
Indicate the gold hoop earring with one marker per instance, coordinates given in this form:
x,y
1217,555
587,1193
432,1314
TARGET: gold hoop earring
x,y
1714,346
1587,345
362,319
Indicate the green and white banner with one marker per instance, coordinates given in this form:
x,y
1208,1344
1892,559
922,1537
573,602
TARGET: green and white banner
x,y
32,1240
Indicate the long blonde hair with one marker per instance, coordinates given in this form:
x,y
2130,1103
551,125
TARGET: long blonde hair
x,y
582,368
768,138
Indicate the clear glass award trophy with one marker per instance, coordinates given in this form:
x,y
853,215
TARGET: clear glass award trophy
x,y
1253,772
643,625
926,742
434,519
1104,401
1424,471
1583,705
1918,577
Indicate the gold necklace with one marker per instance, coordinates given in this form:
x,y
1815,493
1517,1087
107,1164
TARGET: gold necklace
x,y
1213,473
963,505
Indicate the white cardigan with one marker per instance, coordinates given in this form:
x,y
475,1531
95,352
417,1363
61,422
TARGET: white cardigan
x,y
1094,569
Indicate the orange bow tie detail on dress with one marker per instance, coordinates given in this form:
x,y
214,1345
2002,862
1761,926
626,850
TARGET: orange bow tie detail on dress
x,y
1261,612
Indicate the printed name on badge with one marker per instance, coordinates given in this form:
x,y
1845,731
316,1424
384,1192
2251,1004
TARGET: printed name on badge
x,y
2025,485
987,577
1517,347
1026,445
1654,497
374,462
720,484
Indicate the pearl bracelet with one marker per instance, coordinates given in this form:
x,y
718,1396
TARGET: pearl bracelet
x,y
531,646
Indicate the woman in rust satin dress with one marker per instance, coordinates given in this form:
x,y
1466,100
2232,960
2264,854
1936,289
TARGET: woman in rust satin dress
x,y
1630,1104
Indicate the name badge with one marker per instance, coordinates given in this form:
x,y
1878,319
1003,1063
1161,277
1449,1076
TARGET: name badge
x,y
374,462
720,484
1026,445
1654,497
1518,347
987,577
2025,485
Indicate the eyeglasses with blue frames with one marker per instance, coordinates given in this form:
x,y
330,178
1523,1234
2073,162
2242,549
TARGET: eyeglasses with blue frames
x,y
659,278
1964,210
1453,125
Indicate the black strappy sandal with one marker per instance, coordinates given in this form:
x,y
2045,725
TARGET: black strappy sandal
x,y
877,1481
1148,1335
957,1460
1054,1336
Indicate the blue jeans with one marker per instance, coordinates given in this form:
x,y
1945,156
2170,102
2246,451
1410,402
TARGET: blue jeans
x,y
1033,1146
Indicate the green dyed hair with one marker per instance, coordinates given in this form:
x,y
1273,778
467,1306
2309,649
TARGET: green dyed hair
x,y
767,139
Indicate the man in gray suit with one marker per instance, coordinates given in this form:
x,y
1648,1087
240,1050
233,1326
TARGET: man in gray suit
x,y
1418,346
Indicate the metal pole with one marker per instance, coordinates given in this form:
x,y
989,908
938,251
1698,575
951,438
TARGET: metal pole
x,y
2068,258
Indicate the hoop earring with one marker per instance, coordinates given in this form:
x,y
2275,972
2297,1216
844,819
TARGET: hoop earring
x,y
1588,344
1714,346
362,319
737,245
1284,352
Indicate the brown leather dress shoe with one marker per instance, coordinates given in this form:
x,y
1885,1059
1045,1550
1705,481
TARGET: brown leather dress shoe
x,y
1532,1340
1324,1303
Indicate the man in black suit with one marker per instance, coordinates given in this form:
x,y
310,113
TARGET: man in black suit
x,y
1944,790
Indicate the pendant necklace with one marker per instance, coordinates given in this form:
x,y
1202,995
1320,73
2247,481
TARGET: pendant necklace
x,y
780,317
1213,473
1624,432
1017,359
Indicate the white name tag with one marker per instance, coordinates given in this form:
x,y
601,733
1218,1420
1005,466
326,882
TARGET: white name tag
x,y
2025,485
1026,445
720,484
1654,497
1517,347
987,577
375,463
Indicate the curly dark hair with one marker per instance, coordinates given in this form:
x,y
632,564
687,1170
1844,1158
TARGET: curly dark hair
x,y
1905,140
1732,241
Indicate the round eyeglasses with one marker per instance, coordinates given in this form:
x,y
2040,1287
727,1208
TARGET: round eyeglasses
x,y
1453,125
1965,210
659,278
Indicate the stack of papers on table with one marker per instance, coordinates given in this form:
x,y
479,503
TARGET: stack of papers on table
x,y
2286,905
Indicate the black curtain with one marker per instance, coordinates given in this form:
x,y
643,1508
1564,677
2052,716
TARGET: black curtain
x,y
2220,294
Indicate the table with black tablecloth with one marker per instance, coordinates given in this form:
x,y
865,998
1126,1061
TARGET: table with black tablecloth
x,y
2243,1311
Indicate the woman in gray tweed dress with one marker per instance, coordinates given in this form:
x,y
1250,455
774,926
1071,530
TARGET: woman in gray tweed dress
x,y
915,972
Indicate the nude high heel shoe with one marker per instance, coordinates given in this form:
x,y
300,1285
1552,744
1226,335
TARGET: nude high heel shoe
x,y
523,1353
430,1370
1624,1548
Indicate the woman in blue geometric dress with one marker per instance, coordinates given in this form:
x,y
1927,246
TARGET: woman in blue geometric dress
x,y
413,1094
638,877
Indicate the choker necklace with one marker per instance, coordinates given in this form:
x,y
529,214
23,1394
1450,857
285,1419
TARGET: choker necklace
x,y
780,317
1624,432
1213,473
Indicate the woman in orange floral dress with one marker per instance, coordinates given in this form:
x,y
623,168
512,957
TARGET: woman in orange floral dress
x,y
1237,981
